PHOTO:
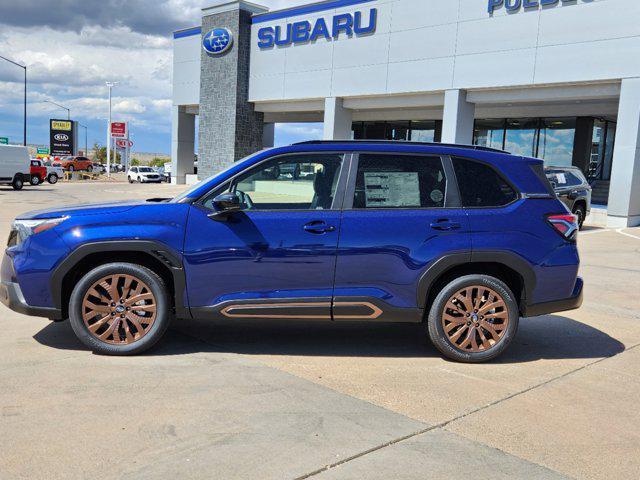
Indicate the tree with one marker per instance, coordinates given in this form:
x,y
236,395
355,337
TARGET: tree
x,y
158,162
135,162
101,155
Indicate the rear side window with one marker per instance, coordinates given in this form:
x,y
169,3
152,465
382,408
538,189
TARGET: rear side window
x,y
565,178
399,181
481,186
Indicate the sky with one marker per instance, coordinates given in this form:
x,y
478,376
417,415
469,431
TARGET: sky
x,y
72,47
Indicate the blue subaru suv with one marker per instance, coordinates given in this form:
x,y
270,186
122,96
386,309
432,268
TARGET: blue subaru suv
x,y
463,239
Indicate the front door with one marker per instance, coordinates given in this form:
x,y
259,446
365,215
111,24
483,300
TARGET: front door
x,y
276,258
402,214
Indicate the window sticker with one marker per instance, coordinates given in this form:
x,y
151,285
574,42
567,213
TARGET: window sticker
x,y
562,178
392,189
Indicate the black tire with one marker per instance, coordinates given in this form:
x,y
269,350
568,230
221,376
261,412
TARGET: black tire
x,y
71,168
130,180
35,180
580,212
156,331
436,330
89,169
17,183
52,178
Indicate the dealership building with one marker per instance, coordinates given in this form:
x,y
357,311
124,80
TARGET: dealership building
x,y
559,80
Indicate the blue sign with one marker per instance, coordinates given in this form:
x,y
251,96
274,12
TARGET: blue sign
x,y
217,41
347,24
515,5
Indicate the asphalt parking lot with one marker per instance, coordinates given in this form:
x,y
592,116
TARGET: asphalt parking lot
x,y
306,400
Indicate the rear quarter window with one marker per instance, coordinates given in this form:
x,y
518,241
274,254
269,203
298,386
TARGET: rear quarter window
x,y
482,186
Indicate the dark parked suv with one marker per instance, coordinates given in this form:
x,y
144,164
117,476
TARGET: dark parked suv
x,y
572,189
465,240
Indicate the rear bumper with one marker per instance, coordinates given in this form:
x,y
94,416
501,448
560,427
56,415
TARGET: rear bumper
x,y
11,295
572,303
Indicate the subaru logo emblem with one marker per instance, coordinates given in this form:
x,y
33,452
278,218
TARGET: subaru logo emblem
x,y
61,137
217,41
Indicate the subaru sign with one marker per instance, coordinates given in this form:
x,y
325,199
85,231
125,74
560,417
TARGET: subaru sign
x,y
349,24
217,41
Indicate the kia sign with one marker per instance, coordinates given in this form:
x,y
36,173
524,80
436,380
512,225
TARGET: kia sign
x,y
124,143
62,137
118,129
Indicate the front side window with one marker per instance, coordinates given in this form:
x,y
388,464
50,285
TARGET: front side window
x,y
400,181
296,182
481,186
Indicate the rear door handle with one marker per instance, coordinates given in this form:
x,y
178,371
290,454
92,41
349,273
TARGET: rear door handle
x,y
318,228
445,225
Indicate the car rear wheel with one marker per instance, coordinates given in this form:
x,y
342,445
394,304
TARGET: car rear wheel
x,y
580,212
89,169
120,309
35,180
473,319
17,183
52,178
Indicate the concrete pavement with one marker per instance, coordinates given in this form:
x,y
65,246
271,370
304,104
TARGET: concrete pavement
x,y
310,400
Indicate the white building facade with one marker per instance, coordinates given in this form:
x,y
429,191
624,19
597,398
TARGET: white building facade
x,y
555,79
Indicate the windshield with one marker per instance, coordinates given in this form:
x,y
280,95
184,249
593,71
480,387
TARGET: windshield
x,y
145,169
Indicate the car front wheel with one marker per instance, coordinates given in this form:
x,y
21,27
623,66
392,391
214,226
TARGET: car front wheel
x,y
120,309
473,319
52,178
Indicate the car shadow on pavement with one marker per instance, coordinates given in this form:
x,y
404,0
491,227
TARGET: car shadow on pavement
x,y
547,337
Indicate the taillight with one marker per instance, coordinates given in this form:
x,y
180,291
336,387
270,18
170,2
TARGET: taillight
x,y
565,224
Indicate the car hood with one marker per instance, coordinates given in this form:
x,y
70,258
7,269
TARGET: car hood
x,y
85,209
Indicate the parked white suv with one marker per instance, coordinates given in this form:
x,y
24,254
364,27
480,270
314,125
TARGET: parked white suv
x,y
15,166
143,175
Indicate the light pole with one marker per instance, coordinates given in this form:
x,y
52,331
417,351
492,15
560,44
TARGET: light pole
x,y
110,85
61,106
86,134
25,95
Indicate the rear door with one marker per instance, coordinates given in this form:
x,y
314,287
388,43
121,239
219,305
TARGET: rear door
x,y
402,214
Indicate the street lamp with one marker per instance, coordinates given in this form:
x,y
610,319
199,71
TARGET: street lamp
x,y
61,106
25,95
86,131
110,85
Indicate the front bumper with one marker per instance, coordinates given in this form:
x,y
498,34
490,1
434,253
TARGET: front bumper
x,y
572,303
11,296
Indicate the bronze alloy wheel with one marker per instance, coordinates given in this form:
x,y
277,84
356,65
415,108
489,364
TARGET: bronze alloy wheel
x,y
475,319
119,309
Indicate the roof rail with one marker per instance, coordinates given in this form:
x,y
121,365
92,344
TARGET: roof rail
x,y
404,142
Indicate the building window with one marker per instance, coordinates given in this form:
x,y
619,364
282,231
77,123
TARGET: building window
x,y
423,131
489,133
557,137
521,136
604,133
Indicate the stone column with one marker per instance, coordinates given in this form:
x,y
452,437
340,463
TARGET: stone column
x,y
183,134
624,197
230,128
337,120
457,124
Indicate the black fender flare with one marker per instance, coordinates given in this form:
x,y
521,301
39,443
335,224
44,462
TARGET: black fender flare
x,y
161,252
445,263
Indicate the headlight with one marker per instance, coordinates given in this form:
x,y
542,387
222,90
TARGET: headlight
x,y
23,229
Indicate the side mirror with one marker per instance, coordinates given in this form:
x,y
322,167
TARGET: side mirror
x,y
225,205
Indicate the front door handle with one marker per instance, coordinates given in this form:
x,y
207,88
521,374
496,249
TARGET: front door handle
x,y
445,225
318,228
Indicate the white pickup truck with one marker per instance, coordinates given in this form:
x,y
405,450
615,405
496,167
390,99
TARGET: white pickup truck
x,y
15,166
54,172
